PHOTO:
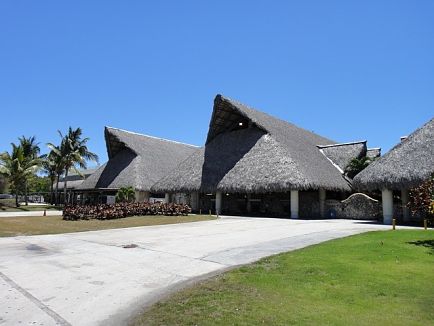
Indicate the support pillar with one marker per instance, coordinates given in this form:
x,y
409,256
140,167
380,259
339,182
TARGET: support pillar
x,y
387,201
405,210
194,201
218,202
249,204
322,198
294,204
167,198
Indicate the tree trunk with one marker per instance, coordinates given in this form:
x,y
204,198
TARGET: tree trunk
x,y
51,190
57,189
65,186
16,199
26,199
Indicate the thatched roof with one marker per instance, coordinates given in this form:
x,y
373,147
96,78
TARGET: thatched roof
x,y
373,153
75,179
136,160
404,166
250,151
342,154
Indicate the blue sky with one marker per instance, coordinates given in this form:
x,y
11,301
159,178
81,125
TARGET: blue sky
x,y
348,70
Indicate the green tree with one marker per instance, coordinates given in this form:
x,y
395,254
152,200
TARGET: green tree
x,y
31,152
3,184
17,168
38,184
73,152
357,165
125,194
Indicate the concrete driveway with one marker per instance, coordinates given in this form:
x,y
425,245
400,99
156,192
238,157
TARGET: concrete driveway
x,y
90,278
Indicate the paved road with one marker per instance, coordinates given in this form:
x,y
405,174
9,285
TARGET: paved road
x,y
89,278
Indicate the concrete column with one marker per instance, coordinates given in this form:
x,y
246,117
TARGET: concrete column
x,y
218,202
249,204
167,198
387,200
294,204
142,196
322,198
194,201
405,210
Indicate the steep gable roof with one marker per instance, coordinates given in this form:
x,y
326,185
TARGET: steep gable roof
x,y
248,150
136,160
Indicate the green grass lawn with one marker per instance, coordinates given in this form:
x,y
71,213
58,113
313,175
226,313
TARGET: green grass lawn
x,y
378,278
32,225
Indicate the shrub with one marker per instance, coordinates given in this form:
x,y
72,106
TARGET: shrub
x,y
121,210
421,200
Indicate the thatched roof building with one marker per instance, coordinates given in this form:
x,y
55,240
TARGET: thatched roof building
x,y
248,151
74,179
136,160
406,165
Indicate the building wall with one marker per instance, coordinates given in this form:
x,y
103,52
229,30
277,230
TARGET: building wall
x,y
357,206
309,204
142,196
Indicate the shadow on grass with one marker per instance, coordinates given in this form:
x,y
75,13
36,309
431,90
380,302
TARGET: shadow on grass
x,y
424,243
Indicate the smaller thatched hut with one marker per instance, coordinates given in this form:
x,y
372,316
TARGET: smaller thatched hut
x,y
135,160
406,165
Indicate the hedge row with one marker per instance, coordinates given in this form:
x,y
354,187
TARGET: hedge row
x,y
121,210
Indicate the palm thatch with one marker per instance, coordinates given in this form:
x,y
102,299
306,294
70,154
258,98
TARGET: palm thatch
x,y
250,151
373,153
406,165
136,160
342,154
75,179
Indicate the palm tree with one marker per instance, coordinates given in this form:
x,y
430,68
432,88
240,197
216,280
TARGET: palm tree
x,y
17,168
50,165
126,194
54,166
73,152
357,165
31,151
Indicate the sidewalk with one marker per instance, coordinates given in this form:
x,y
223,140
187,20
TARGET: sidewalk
x,y
32,213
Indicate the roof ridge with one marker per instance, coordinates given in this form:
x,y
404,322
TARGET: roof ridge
x,y
153,137
331,161
342,144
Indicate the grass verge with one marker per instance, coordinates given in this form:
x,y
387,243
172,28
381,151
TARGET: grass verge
x,y
377,278
33,225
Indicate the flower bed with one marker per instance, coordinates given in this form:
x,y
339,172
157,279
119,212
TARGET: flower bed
x,y
121,210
